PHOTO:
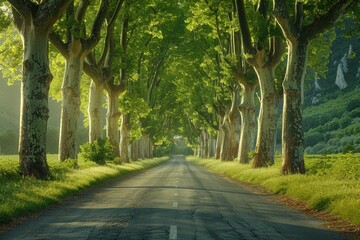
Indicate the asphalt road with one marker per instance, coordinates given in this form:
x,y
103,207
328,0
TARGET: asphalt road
x,y
176,200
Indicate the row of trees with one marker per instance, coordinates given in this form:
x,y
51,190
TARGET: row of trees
x,y
240,38
163,80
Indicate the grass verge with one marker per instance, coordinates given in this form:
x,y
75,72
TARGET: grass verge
x,y
332,182
21,197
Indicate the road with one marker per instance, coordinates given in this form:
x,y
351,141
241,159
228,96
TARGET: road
x,y
176,200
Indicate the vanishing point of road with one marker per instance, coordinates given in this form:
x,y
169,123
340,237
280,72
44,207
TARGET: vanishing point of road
x,y
175,200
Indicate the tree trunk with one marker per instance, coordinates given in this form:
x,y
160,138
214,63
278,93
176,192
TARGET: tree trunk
x,y
225,153
292,132
205,144
142,147
134,150
124,137
211,152
70,107
95,111
112,120
267,120
234,126
34,111
147,145
200,146
219,140
151,149
248,130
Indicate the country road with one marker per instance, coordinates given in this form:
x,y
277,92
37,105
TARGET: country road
x,y
176,200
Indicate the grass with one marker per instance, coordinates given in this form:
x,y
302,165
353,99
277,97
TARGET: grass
x,y
20,197
332,182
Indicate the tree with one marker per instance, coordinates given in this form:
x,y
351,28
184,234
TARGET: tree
x,y
309,20
263,51
101,70
34,22
74,49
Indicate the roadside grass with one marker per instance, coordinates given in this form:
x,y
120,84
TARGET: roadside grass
x,y
21,197
331,184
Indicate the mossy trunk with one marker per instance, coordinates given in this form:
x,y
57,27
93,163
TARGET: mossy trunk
x,y
292,131
34,112
248,128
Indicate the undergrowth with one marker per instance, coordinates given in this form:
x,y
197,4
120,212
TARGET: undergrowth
x,y
331,182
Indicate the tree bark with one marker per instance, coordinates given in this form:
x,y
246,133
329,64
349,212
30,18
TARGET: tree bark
x,y
267,120
248,128
219,140
134,150
70,107
225,152
95,111
34,111
292,132
34,22
234,125
124,137
211,152
112,120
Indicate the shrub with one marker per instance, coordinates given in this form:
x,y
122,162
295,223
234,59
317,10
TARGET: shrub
x,y
355,113
345,121
99,151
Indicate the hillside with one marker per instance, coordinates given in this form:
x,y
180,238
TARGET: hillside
x,y
334,126
332,105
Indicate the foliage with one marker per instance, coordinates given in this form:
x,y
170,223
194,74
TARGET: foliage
x,y
334,126
99,151
324,174
21,197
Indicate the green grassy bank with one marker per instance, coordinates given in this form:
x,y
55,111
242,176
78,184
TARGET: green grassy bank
x,y
332,182
24,196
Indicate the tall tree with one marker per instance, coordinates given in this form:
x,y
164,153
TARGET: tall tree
x,y
76,46
309,20
101,70
263,51
34,22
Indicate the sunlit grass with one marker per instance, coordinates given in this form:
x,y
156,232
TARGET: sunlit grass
x,y
24,196
332,182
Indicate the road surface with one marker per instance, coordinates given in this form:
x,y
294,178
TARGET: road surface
x,y
176,200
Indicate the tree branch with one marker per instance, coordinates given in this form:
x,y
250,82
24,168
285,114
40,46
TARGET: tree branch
x,y
282,17
56,40
23,7
327,20
96,28
244,28
109,32
81,10
49,12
